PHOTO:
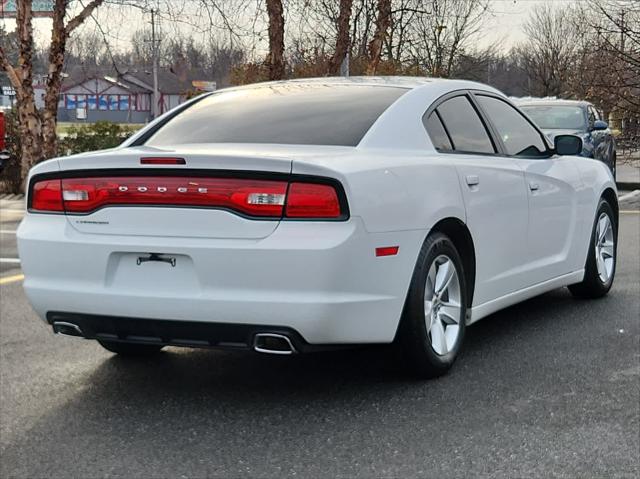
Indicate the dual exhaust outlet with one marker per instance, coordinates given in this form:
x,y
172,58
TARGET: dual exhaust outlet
x,y
267,343
273,343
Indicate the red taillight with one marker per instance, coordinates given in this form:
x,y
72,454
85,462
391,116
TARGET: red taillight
x,y
47,196
252,197
310,200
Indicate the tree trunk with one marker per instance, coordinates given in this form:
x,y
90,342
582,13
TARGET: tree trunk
x,y
28,117
38,134
342,39
54,81
275,59
383,21
30,132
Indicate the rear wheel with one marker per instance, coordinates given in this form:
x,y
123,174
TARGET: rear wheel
x,y
131,349
433,324
600,267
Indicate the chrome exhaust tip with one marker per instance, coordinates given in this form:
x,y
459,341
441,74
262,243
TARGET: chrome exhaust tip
x,y
67,329
273,343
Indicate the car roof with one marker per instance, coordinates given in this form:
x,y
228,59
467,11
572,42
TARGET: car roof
x,y
408,82
550,102
400,125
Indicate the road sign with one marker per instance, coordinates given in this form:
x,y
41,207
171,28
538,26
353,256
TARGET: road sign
x,y
204,85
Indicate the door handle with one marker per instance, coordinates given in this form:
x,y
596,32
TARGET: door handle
x,y
473,180
534,186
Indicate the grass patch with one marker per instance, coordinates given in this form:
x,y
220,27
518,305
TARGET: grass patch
x,y
63,127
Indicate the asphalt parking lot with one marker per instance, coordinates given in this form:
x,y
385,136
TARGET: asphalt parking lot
x,y
550,387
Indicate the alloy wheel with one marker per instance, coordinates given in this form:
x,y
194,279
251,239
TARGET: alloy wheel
x,y
604,247
442,305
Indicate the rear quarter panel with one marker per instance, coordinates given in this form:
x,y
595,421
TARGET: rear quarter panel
x,y
398,198
394,192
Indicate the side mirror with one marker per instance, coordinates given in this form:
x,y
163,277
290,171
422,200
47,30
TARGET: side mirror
x,y
568,145
600,125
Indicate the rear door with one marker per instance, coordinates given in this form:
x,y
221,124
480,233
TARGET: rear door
x,y
494,193
552,184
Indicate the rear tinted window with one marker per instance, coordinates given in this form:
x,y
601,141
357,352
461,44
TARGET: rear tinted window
x,y
437,133
297,113
466,130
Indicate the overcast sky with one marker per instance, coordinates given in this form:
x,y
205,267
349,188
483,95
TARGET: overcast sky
x,y
504,25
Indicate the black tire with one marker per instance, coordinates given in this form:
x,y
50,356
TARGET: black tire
x,y
131,349
593,286
413,336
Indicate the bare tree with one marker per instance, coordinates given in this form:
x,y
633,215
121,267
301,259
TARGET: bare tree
x,y
383,21
550,51
38,132
275,59
611,54
342,37
441,30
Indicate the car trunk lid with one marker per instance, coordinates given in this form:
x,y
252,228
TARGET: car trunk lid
x,y
200,191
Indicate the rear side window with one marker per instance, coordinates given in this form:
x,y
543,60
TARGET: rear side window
x,y
289,113
466,130
437,133
520,138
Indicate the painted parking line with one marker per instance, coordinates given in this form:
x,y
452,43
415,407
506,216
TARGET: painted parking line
x,y
7,232
11,279
10,260
630,212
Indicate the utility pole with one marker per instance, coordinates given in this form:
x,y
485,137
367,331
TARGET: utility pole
x,y
154,56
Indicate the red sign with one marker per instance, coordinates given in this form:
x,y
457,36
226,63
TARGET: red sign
x,y
1,131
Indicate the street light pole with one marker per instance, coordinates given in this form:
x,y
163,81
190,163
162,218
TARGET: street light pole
x,y
154,55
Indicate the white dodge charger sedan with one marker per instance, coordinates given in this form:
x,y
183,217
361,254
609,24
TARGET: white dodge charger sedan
x,y
304,215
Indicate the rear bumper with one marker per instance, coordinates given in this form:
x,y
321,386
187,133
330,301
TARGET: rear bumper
x,y
175,333
321,280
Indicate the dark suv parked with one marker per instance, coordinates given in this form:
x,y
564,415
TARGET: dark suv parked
x,y
581,118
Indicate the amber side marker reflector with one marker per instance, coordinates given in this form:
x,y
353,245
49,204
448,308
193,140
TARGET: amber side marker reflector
x,y
387,251
162,161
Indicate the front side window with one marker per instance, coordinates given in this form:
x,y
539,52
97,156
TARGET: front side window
x,y
466,130
593,115
520,138
293,113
